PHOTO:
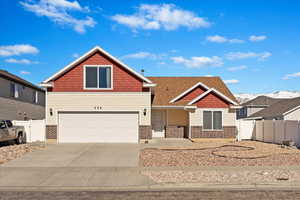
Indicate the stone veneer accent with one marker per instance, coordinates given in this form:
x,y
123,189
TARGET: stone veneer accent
x,y
227,132
175,132
51,132
145,132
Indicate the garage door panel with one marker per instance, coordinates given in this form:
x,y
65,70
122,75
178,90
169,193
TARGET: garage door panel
x,y
98,127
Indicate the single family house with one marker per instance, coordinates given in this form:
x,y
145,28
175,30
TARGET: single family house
x,y
255,105
286,109
20,99
98,98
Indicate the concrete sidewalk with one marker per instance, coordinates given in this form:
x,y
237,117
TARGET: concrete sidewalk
x,y
106,178
72,177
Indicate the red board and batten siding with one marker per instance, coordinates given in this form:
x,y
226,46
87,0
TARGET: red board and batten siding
x,y
72,81
194,93
211,100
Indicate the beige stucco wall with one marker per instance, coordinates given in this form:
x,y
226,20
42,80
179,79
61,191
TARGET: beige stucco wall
x,y
134,101
295,115
196,117
177,117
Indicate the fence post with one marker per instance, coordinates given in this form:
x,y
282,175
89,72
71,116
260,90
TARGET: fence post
x,y
298,135
284,129
273,126
263,130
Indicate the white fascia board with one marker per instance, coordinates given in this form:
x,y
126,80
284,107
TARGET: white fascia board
x,y
189,90
292,110
149,85
215,91
97,48
252,118
168,107
236,107
190,107
46,85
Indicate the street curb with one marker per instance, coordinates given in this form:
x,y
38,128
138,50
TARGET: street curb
x,y
165,187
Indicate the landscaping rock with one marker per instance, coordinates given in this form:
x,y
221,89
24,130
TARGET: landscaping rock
x,y
11,152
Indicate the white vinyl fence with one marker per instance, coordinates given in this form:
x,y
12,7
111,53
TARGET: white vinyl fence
x,y
276,131
271,131
35,129
246,129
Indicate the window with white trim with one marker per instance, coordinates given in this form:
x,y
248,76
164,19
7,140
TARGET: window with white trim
x,y
212,120
98,77
35,96
14,90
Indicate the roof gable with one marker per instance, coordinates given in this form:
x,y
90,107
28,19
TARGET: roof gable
x,y
212,90
89,53
183,94
168,88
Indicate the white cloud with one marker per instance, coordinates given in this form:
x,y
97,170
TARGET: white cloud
x,y
222,39
138,55
162,16
25,72
237,68
15,50
290,76
231,81
198,62
208,75
143,55
256,38
21,61
58,12
245,55
75,55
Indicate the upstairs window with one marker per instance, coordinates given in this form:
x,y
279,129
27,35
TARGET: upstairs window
x,y
98,77
14,90
212,120
35,97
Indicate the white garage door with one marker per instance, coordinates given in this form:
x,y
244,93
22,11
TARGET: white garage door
x,y
98,128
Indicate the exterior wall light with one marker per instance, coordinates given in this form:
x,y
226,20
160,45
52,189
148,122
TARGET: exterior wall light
x,y
51,112
145,111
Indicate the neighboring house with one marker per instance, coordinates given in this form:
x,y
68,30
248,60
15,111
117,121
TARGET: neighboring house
x,y
255,105
287,109
97,98
20,99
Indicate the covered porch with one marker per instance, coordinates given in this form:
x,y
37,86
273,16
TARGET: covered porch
x,y
171,122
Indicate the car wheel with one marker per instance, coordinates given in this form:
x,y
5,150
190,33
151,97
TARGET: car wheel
x,y
19,139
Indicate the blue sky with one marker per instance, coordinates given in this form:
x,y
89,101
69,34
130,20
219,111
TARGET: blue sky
x,y
252,45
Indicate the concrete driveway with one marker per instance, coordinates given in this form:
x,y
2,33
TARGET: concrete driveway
x,y
80,155
75,166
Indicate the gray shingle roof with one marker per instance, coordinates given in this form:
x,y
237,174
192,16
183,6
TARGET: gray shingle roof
x,y
261,101
277,109
17,79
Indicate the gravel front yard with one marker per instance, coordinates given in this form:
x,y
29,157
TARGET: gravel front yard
x,y
245,153
224,177
11,152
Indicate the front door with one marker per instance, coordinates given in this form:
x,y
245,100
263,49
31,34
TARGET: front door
x,y
158,123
